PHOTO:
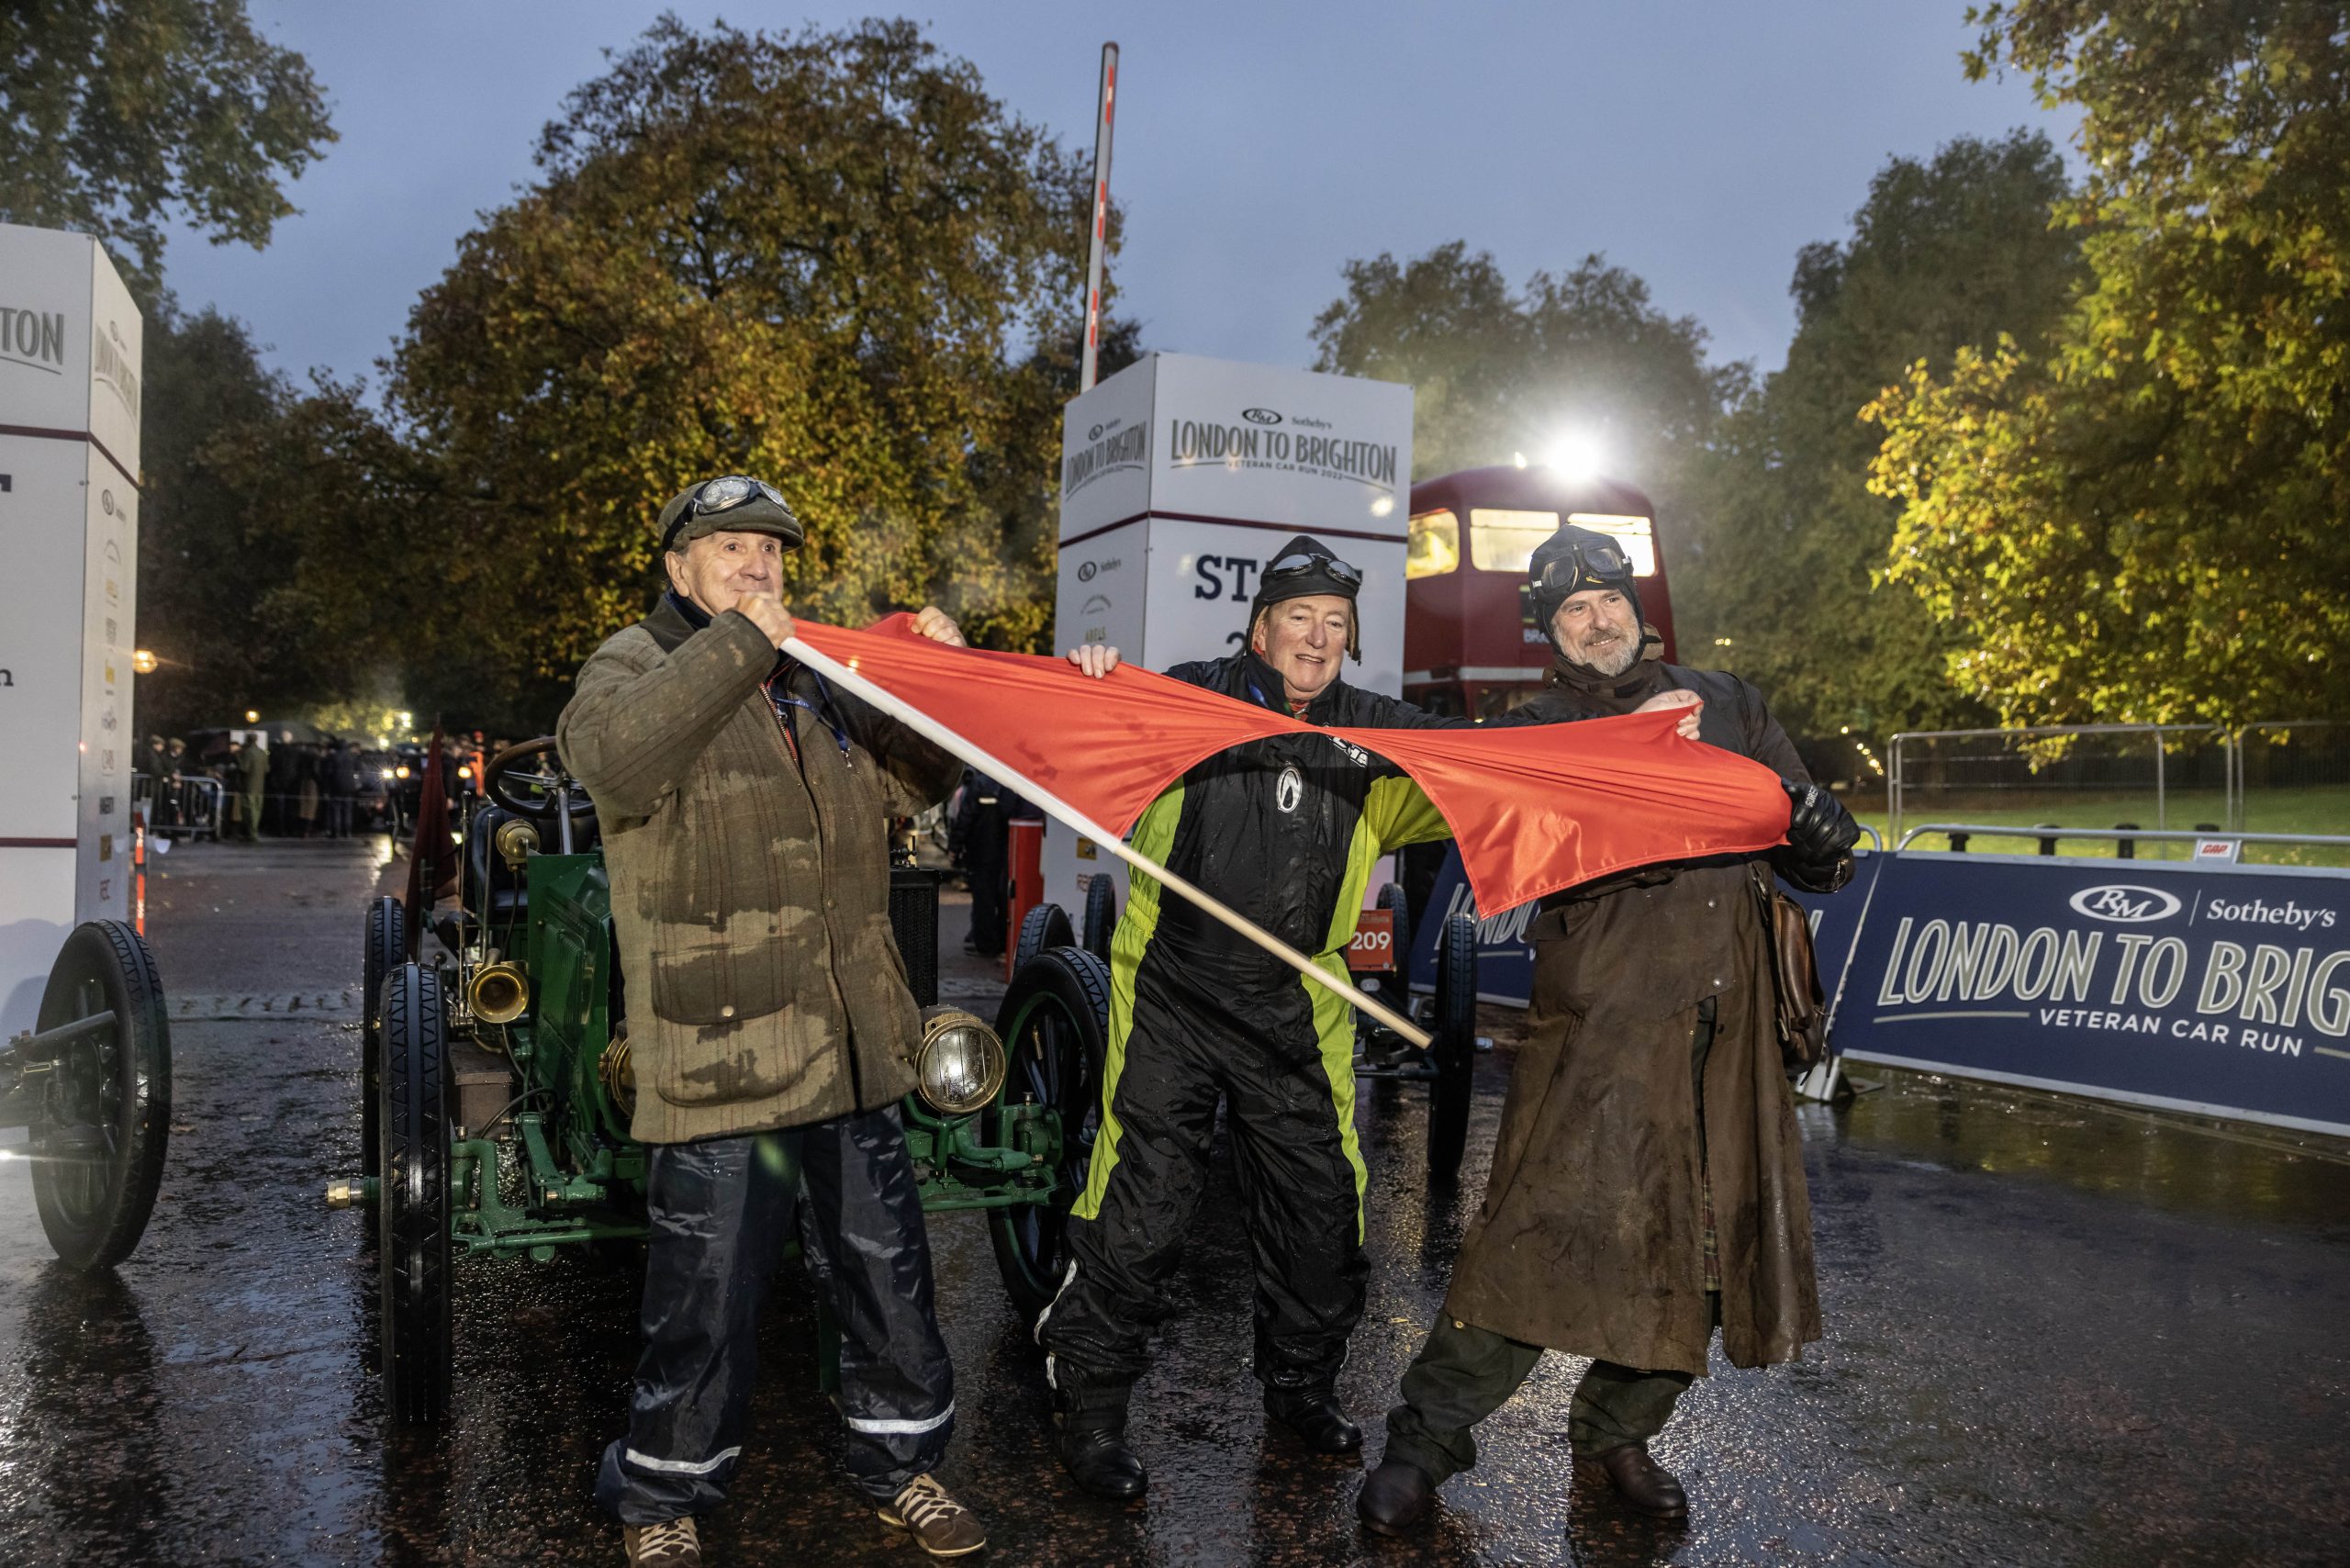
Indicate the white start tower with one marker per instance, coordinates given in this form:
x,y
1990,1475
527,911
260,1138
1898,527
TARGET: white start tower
x,y
1181,478
70,340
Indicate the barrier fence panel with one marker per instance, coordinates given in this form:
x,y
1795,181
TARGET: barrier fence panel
x,y
2290,779
185,807
2219,989
2294,777
2130,776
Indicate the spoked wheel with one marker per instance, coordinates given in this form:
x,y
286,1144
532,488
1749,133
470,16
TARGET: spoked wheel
x,y
386,951
412,1202
1100,916
1454,1050
1047,925
1055,1026
104,1113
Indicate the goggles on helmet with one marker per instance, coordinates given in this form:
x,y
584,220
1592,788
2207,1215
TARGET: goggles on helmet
x,y
1330,567
720,495
1583,567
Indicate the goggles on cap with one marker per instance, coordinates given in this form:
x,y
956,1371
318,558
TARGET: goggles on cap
x,y
1330,567
724,494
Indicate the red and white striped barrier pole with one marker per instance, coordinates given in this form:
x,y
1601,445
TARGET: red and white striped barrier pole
x,y
1105,110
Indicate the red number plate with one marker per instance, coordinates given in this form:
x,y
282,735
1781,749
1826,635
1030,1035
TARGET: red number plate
x,y
1372,951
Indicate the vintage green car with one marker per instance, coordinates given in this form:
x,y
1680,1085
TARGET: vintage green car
x,y
497,1087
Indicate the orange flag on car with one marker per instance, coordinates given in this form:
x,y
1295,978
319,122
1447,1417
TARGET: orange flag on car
x,y
1533,809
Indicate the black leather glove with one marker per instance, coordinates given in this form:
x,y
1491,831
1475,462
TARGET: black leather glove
x,y
1821,835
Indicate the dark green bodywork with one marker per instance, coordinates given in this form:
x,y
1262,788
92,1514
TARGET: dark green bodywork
x,y
570,1172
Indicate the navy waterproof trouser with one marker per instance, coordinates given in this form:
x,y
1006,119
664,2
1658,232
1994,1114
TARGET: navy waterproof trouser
x,y
720,1210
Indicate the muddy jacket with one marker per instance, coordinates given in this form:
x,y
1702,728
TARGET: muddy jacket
x,y
750,876
1592,1236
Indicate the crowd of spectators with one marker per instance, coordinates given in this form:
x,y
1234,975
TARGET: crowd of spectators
x,y
267,786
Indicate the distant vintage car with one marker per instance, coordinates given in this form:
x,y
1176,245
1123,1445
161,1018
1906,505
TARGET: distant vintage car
x,y
498,1089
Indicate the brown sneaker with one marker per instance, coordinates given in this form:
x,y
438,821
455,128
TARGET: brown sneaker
x,y
673,1543
940,1525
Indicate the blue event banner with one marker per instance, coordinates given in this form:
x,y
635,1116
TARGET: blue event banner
x,y
1505,960
2219,990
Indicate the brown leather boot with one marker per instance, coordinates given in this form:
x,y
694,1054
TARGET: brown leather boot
x,y
1640,1481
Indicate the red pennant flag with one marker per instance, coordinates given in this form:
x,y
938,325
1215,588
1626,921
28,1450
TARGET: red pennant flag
x,y
1534,810
431,861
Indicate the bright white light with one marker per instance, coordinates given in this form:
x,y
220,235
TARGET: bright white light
x,y
1575,454
1383,506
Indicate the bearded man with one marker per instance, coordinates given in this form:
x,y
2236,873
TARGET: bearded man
x,y
1285,830
1647,1183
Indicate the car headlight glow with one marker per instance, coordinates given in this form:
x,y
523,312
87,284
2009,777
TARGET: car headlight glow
x,y
960,1064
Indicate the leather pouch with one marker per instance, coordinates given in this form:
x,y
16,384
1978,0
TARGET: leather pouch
x,y
1795,976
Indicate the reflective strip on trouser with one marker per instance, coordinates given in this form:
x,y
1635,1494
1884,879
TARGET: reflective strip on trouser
x,y
1291,1124
720,1211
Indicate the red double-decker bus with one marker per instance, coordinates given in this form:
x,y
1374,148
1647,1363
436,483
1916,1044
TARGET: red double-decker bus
x,y
1470,642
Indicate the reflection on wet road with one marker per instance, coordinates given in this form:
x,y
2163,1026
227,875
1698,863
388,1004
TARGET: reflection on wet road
x,y
2056,1335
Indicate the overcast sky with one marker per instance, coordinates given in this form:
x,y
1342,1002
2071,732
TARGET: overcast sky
x,y
1259,147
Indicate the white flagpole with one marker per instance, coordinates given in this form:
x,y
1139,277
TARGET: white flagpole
x,y
995,767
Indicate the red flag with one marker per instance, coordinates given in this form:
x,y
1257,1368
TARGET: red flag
x,y
431,860
1534,810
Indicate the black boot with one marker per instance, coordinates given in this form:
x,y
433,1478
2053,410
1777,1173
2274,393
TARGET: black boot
x,y
1314,1415
1638,1479
1092,1441
1395,1497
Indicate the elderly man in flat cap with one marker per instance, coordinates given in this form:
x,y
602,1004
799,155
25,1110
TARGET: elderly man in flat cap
x,y
743,807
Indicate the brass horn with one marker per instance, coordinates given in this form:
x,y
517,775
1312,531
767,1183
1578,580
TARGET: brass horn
x,y
516,841
618,1070
499,992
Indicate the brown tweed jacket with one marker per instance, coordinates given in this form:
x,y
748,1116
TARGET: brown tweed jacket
x,y
750,877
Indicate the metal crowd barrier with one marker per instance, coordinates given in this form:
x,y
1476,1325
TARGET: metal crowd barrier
x,y
2047,835
188,807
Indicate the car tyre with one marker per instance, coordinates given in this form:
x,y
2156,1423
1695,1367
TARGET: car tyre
x,y
387,950
412,1208
1045,926
1453,1051
1101,914
100,1130
1055,1024
1392,898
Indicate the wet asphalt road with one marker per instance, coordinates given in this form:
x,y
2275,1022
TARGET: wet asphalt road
x,y
2056,1335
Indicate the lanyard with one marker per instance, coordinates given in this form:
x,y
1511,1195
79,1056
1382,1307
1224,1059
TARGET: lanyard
x,y
1258,692
780,695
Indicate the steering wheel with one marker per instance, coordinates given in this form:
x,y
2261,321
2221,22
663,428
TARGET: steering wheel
x,y
540,792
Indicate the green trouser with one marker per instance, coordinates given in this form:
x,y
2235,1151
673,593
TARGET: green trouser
x,y
252,816
1465,1373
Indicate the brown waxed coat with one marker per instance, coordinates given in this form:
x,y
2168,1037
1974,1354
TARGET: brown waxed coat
x,y
750,888
1590,1239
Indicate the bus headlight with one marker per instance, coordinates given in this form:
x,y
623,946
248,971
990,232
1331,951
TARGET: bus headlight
x,y
960,1065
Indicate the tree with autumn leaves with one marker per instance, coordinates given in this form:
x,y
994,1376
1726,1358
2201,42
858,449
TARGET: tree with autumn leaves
x,y
2141,516
824,259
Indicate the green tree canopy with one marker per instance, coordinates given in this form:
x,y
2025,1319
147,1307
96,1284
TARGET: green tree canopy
x,y
831,260
272,524
1944,252
2141,517
114,113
